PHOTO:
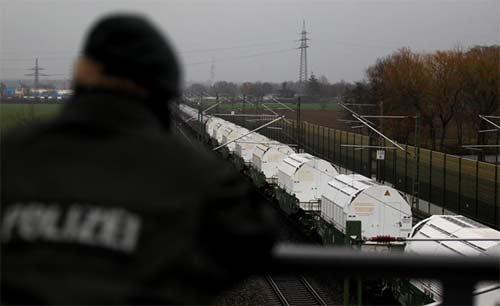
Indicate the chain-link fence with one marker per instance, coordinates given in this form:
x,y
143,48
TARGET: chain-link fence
x,y
445,184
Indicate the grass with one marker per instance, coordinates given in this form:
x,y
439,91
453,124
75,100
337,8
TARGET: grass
x,y
273,105
12,115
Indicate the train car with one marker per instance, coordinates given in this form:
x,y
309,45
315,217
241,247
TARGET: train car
x,y
379,209
305,176
221,128
246,146
230,133
451,226
266,159
189,111
212,125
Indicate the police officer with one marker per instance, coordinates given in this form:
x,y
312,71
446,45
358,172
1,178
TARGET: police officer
x,y
104,205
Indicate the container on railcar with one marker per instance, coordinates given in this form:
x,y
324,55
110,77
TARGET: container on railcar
x,y
305,177
459,228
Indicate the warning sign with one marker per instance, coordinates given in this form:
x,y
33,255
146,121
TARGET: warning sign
x,y
380,154
387,193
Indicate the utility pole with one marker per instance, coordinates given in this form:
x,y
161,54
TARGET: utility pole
x,y
381,163
36,74
303,58
416,179
200,117
212,73
243,104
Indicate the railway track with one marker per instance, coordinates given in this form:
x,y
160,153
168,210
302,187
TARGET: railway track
x,y
294,290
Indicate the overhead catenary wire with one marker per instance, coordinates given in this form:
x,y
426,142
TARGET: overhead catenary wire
x,y
353,112
489,121
283,104
244,46
252,131
379,133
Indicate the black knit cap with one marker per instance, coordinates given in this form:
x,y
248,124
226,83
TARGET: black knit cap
x,y
130,47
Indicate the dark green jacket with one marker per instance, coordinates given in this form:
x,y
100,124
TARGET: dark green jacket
x,y
102,205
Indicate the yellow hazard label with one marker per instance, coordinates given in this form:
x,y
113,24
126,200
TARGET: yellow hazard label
x,y
387,193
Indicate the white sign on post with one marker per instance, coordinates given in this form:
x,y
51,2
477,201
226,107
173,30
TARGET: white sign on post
x,y
380,154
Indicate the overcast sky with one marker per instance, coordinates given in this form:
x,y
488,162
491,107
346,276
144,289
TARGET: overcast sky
x,y
251,40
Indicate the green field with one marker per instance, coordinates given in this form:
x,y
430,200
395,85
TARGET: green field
x,y
12,115
272,105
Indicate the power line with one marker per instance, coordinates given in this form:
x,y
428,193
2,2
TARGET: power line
x,y
243,57
245,46
50,55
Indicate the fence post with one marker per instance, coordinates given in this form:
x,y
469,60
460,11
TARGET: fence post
x,y
495,196
306,135
394,169
459,184
406,168
430,183
323,145
341,159
369,156
328,151
315,139
311,135
477,187
352,153
384,168
444,183
353,167
335,146
303,135
363,150
317,142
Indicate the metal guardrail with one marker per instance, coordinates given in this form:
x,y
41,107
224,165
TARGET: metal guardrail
x,y
458,274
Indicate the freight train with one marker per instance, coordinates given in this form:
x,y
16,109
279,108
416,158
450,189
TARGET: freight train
x,y
347,208
339,207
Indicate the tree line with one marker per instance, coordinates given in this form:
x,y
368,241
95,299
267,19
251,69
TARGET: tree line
x,y
448,89
317,88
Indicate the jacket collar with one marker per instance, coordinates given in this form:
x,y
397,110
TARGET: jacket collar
x,y
109,109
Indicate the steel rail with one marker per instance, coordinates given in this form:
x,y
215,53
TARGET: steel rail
x,y
293,290
277,290
313,292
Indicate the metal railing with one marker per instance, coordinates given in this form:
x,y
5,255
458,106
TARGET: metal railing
x,y
458,274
